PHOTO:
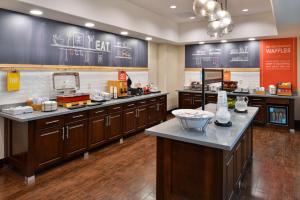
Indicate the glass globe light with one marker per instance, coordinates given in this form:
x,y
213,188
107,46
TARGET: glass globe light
x,y
199,7
227,29
212,7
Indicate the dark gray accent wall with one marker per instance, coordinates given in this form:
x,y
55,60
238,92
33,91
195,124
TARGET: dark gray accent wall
x,y
226,55
26,39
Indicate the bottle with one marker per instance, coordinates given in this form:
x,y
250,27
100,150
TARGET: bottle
x,y
115,92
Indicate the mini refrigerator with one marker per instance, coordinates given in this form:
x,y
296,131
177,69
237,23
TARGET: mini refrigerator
x,y
278,115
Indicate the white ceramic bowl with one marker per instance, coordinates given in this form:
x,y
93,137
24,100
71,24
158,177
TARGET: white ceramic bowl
x,y
193,119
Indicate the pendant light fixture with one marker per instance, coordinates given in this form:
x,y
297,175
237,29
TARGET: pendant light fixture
x,y
215,11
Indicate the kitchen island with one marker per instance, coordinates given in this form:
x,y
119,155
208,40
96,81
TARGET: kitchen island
x,y
193,165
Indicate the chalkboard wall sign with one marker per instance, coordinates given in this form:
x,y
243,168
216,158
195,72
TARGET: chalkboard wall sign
x,y
25,39
225,55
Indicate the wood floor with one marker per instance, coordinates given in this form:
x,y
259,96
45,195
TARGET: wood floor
x,y
127,172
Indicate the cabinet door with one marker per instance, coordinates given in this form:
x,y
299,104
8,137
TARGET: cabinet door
x,y
249,143
261,115
244,150
210,98
185,100
197,101
142,118
152,114
97,128
49,146
238,162
76,138
162,111
229,177
129,121
115,125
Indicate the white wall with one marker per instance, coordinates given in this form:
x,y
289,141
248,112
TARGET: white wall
x,y
260,25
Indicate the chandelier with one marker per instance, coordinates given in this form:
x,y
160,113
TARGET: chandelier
x,y
215,11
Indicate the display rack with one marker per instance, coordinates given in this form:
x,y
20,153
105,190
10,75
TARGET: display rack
x,y
210,76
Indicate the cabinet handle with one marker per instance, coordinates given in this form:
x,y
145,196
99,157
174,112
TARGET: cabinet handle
x,y
67,132
157,107
130,105
116,108
99,111
109,121
138,112
77,116
63,133
52,122
106,124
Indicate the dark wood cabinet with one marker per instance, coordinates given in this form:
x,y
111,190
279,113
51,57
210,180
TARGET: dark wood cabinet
x,y
142,118
262,112
97,131
115,125
75,138
49,146
129,121
238,162
185,100
229,177
153,114
50,140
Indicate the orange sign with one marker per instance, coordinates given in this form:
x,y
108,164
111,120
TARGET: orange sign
x,y
122,75
278,61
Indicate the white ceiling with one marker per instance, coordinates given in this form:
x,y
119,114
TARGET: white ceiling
x,y
184,8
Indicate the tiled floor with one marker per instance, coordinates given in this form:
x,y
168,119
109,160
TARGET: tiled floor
x,y
127,172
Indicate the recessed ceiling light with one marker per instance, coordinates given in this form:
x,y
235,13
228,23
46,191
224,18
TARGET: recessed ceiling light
x,y
36,12
173,6
89,24
223,41
245,10
251,39
148,38
192,17
201,42
124,33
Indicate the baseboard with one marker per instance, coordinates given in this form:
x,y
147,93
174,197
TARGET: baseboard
x,y
297,125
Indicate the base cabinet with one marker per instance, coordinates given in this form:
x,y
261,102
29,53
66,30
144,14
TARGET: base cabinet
x,y
51,140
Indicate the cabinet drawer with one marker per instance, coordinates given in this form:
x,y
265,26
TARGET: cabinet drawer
x,y
98,112
115,108
278,101
50,122
257,100
162,99
142,103
76,117
153,100
129,105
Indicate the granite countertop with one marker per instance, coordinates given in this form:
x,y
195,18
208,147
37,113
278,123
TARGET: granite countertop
x,y
241,94
62,111
215,136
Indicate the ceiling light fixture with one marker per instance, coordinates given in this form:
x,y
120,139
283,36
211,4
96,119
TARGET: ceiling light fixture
x,y
124,33
89,24
173,6
223,41
148,38
245,10
35,12
192,17
201,42
215,11
251,39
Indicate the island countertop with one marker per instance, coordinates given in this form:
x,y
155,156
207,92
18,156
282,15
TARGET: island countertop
x,y
215,136
62,111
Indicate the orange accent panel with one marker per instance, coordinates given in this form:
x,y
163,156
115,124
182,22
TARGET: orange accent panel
x,y
278,61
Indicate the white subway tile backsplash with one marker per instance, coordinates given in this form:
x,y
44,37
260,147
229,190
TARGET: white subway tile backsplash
x,y
35,84
245,79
